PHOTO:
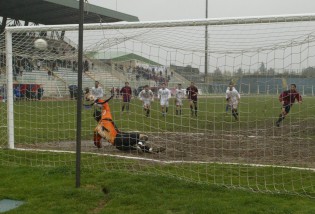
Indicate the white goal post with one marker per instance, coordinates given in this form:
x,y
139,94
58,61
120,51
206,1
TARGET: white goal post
x,y
214,141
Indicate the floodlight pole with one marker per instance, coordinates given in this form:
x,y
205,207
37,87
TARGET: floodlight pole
x,y
79,96
206,45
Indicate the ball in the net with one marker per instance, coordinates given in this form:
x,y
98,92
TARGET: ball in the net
x,y
40,44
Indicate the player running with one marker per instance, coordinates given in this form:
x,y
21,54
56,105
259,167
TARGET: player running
x,y
179,96
227,106
192,95
164,94
107,130
146,96
287,98
233,97
126,94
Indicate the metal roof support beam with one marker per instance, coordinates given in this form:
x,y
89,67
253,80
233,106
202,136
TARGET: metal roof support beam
x,y
3,24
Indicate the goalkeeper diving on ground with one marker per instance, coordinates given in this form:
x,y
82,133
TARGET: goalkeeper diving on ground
x,y
106,129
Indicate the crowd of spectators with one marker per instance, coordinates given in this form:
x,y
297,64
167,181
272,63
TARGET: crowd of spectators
x,y
28,91
152,74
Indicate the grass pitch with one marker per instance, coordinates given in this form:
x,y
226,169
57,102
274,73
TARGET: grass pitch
x,y
113,185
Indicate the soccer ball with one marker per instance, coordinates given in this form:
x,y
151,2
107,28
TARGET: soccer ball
x,y
89,97
40,44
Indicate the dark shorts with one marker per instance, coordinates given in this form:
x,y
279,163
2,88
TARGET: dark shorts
x,y
194,100
126,141
287,108
126,99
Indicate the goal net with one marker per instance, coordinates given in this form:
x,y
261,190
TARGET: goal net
x,y
210,139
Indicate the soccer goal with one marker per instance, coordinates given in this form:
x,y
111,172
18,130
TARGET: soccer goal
x,y
211,136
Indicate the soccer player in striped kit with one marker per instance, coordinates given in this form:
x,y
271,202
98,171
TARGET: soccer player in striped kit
x,y
126,94
192,95
287,98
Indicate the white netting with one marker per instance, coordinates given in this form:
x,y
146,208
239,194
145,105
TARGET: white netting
x,y
262,60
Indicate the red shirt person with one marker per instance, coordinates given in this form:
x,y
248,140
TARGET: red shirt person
x,y
126,93
192,95
287,98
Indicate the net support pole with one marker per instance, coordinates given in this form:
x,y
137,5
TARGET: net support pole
x,y
79,98
206,45
10,111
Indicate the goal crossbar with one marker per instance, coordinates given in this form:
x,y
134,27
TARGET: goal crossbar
x,y
175,23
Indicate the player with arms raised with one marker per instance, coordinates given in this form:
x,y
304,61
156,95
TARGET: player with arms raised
x,y
106,129
146,96
164,94
192,95
179,96
287,98
233,97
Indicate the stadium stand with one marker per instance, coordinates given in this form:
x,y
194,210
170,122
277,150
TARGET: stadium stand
x,y
274,85
257,85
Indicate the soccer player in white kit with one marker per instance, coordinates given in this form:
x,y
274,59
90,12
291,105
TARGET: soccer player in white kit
x,y
179,96
233,98
164,95
146,96
97,91
227,107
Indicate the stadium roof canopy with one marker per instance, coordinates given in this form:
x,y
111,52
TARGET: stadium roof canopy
x,y
55,12
121,57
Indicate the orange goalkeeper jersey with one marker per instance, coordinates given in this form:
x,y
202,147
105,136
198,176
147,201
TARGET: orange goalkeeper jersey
x,y
106,127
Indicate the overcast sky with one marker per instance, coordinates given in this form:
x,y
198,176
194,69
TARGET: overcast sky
x,y
154,10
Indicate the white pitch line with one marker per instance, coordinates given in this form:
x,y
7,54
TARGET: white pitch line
x,y
168,162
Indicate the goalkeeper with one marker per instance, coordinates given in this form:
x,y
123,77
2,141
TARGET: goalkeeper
x,y
107,129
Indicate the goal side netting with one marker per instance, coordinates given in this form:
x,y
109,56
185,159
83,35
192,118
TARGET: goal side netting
x,y
217,138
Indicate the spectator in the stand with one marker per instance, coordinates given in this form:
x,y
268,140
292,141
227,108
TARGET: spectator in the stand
x,y
50,73
74,66
16,71
17,92
92,66
86,66
38,64
34,89
21,70
23,90
26,66
54,66
40,92
137,77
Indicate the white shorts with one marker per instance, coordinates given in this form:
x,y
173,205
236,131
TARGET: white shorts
x,y
164,102
179,102
233,104
146,103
